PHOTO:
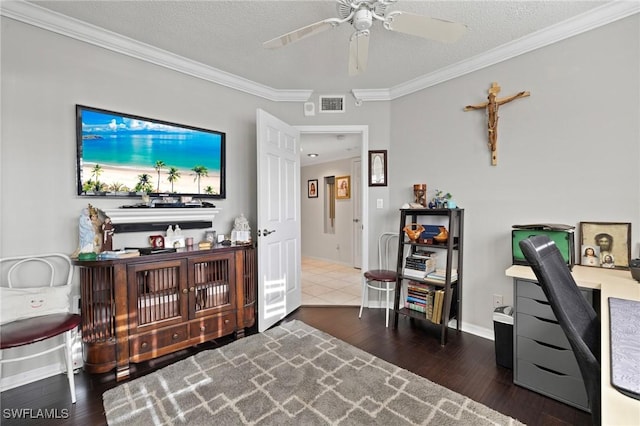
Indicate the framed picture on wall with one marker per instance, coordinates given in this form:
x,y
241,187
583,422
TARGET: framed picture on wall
x,y
312,188
343,185
378,168
609,242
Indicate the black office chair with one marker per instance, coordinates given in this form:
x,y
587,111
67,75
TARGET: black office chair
x,y
576,316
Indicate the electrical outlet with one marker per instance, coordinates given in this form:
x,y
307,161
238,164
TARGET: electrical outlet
x,y
497,300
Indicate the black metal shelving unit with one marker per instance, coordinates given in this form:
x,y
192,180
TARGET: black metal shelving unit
x,y
452,304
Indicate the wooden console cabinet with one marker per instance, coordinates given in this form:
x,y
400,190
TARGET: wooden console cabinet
x,y
140,308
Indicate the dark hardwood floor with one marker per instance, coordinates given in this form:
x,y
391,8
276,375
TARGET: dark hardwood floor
x,y
466,365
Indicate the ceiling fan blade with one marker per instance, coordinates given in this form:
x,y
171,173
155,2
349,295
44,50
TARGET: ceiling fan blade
x,y
301,33
358,52
424,26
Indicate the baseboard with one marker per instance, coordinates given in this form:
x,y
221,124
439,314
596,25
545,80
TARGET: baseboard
x,y
483,332
31,376
337,262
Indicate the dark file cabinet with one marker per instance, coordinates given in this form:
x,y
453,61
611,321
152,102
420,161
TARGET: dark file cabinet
x,y
544,361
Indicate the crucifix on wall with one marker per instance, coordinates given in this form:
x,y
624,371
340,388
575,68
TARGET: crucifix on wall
x,y
492,112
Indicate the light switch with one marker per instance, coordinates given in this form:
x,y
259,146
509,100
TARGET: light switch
x,y
379,203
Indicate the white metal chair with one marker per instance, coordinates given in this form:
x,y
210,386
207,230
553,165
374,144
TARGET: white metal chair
x,y
383,279
36,306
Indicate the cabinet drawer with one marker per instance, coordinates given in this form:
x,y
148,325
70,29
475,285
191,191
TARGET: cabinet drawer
x,y
529,289
541,330
534,307
215,326
158,339
557,359
566,388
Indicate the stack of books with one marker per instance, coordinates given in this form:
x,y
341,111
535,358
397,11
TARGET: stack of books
x,y
440,275
420,297
426,299
419,265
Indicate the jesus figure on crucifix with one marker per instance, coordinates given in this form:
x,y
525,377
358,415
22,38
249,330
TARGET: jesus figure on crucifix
x,y
492,111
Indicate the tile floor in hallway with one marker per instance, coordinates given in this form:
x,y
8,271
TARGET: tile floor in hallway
x,y
326,283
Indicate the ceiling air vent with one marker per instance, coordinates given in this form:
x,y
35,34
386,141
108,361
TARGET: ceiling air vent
x,y
331,103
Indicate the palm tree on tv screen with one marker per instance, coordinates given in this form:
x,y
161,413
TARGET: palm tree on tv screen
x,y
200,171
96,172
173,176
159,166
144,183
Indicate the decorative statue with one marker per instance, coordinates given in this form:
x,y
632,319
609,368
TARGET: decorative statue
x,y
96,224
420,194
241,232
241,223
87,233
107,235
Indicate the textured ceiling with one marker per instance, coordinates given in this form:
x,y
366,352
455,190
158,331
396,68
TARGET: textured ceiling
x,y
228,36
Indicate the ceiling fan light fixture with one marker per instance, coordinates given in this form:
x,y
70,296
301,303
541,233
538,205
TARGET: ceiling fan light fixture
x,y
362,19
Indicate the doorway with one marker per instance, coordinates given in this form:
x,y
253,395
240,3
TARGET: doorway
x,y
325,278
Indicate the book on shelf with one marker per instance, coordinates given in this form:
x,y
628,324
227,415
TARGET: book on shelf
x,y
418,267
424,254
419,297
119,254
441,275
415,306
437,307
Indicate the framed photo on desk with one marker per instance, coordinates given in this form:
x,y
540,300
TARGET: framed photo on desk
x,y
610,240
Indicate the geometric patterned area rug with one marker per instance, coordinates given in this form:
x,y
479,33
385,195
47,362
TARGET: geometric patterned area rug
x,y
291,374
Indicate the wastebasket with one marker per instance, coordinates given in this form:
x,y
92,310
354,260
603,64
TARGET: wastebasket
x,y
503,331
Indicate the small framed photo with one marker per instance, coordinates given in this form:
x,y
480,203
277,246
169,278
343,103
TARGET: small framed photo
x,y
378,168
343,183
312,188
605,244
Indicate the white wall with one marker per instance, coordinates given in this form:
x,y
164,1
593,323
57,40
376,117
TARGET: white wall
x,y
336,247
568,153
44,75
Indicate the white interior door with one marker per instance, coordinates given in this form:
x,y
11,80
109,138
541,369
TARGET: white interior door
x,y
356,186
278,153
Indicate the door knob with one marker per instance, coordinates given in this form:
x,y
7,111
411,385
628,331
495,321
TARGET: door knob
x,y
267,232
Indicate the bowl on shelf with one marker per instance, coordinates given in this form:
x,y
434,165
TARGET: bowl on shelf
x,y
442,236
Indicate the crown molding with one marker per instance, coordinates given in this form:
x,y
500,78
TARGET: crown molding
x,y
595,18
64,25
55,22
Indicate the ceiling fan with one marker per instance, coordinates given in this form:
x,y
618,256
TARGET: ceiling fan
x,y
361,14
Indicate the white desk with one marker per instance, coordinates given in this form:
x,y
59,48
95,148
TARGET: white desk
x,y
617,408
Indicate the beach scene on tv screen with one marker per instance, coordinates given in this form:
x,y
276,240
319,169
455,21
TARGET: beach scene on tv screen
x,y
122,154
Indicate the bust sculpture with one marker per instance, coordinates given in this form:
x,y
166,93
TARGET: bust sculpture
x,y
241,223
241,232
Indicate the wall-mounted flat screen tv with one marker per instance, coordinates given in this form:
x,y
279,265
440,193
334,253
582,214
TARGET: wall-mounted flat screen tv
x,y
127,155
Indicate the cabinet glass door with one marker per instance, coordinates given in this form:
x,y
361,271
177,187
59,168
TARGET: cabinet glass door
x,y
157,289
209,287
